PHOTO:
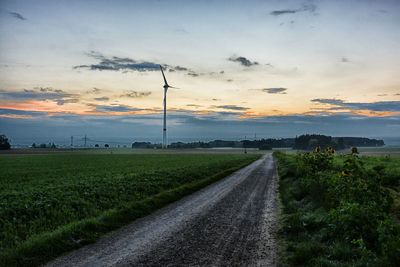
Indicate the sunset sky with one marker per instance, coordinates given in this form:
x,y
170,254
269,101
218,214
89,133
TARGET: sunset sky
x,y
275,68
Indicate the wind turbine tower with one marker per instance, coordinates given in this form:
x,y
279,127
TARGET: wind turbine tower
x,y
166,86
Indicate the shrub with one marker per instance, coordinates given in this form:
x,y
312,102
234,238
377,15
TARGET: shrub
x,y
338,208
4,143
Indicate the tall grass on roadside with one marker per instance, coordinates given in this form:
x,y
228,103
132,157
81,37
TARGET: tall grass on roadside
x,y
337,211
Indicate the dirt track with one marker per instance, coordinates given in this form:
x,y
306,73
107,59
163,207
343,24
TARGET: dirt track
x,y
229,223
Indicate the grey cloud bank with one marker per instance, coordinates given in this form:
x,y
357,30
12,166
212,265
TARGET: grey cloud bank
x,y
373,106
188,126
40,93
115,63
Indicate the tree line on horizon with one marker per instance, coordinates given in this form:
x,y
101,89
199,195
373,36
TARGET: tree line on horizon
x,y
302,142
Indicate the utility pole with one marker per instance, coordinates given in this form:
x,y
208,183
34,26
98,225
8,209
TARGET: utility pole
x,y
244,144
72,141
85,140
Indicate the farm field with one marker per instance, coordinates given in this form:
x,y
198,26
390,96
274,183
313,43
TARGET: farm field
x,y
385,151
339,210
392,151
52,203
223,150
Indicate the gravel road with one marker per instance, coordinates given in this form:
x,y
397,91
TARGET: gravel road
x,y
229,223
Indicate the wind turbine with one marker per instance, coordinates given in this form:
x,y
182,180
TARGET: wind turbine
x,y
166,86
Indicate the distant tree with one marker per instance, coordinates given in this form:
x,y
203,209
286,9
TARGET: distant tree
x,y
106,145
142,145
42,146
310,141
4,144
96,145
341,143
265,147
34,145
53,145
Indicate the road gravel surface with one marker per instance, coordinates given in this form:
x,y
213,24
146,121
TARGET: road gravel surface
x,y
232,222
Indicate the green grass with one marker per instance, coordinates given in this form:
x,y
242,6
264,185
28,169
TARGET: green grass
x,y
50,204
339,210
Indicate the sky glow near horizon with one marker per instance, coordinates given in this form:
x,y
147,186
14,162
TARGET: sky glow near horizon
x,y
279,68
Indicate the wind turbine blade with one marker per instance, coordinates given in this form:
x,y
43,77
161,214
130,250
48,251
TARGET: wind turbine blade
x,y
165,80
173,87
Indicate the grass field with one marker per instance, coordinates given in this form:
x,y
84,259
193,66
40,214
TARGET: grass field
x,y
56,202
340,210
91,151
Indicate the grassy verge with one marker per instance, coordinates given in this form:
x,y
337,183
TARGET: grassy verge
x,y
43,246
339,210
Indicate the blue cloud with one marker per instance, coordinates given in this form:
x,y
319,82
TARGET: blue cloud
x,y
275,90
373,106
116,108
41,93
243,61
230,107
135,94
311,8
103,98
284,11
9,111
17,15
123,64
184,124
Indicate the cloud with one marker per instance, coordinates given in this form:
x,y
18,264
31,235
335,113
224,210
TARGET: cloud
x,y
41,93
311,8
135,94
194,105
210,74
103,98
9,111
372,106
19,125
275,90
230,107
123,64
94,90
17,15
178,68
284,11
63,101
243,61
193,74
116,108
344,60
329,101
